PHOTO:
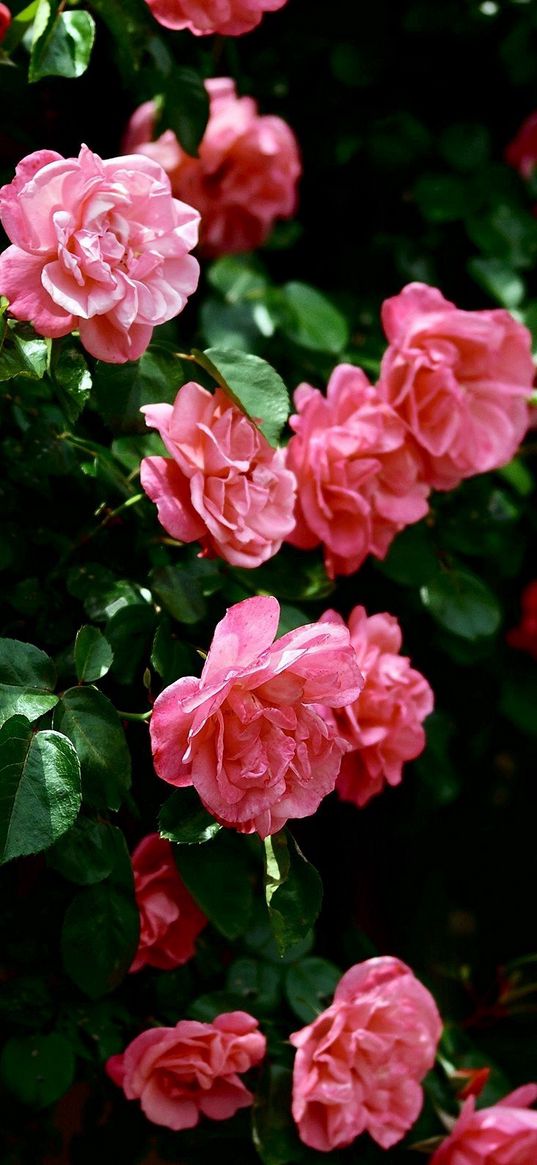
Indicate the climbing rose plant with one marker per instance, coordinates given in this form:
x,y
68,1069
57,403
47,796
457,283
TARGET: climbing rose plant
x,y
268,647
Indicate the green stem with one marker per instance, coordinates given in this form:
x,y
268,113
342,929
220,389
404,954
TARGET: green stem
x,y
135,715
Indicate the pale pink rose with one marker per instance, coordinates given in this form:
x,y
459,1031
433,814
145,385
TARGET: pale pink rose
x,y
98,246
357,478
248,734
504,1134
223,485
521,153
226,17
170,920
460,380
191,1070
245,177
360,1064
384,729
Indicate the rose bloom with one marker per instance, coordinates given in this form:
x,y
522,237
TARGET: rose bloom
x,y
98,246
504,1134
521,153
5,20
460,380
245,177
359,1065
357,479
170,920
223,485
248,734
524,637
384,728
226,17
191,1070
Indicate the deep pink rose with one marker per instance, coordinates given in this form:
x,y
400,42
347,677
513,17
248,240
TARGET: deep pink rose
x,y
360,1064
521,153
5,20
226,17
181,1073
357,479
504,1134
524,637
98,246
384,729
170,920
460,380
248,734
223,485
245,177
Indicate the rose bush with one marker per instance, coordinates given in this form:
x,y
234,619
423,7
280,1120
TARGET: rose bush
x,y
267,527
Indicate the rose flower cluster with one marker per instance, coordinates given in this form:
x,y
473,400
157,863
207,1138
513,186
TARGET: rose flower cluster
x,y
274,724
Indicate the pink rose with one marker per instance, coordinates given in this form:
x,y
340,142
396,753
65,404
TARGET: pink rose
x,y
460,380
360,1064
521,153
226,17
170,920
384,729
357,479
504,1134
248,734
245,176
223,485
5,20
181,1073
98,246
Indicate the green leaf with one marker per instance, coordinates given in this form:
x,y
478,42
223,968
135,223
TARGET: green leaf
x,y
253,384
179,593
23,353
86,854
99,938
40,788
461,603
219,877
465,145
442,197
92,723
27,677
274,1131
293,890
62,42
122,389
72,379
518,698
257,984
185,108
312,321
170,657
411,559
434,767
499,280
93,654
130,632
238,277
184,820
310,985
37,1069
